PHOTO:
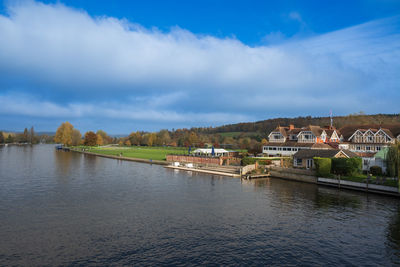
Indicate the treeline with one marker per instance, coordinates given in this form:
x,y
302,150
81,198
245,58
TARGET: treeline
x,y
270,124
26,137
68,135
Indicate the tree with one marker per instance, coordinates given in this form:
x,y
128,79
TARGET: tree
x,y
128,143
64,134
192,138
32,135
2,140
393,160
106,139
90,139
264,142
163,137
99,140
10,139
152,137
76,137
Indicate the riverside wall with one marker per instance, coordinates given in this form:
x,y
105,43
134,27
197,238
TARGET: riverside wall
x,y
148,161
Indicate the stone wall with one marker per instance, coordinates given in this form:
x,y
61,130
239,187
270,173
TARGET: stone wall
x,y
195,159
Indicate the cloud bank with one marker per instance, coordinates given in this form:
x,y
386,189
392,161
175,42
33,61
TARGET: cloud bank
x,y
60,63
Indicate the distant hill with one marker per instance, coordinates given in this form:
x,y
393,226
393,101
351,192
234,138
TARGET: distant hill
x,y
267,126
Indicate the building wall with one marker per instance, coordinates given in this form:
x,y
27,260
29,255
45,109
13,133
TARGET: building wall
x,y
272,150
204,160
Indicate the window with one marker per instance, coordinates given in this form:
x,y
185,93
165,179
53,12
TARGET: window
x,y
299,162
378,148
284,149
368,148
274,148
370,138
358,148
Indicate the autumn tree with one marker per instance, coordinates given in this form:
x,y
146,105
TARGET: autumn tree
x,y
64,134
151,139
128,142
264,142
2,140
104,136
193,139
135,138
90,139
163,137
99,140
76,137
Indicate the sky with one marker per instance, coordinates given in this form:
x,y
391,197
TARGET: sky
x,y
123,66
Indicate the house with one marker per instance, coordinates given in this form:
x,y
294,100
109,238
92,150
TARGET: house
x,y
369,142
369,138
286,141
374,159
305,158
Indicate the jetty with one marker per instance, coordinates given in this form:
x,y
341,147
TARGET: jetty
x,y
232,171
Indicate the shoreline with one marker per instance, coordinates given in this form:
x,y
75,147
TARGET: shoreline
x,y
167,165
147,161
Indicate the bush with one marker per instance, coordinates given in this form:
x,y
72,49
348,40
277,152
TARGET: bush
x,y
345,166
375,170
249,160
323,166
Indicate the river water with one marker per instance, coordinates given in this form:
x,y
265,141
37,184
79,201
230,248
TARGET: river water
x,y
65,208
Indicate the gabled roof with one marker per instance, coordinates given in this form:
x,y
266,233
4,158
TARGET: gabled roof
x,y
316,130
389,129
311,153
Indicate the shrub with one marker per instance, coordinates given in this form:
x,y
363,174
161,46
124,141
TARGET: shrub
x,y
375,170
345,166
249,160
323,166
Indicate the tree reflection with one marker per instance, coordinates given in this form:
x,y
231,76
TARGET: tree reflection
x,y
327,198
394,229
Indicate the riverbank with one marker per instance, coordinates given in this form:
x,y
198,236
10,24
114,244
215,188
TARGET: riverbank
x,y
147,161
308,176
298,175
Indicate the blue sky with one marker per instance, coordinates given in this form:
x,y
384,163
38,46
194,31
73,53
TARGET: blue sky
x,y
123,66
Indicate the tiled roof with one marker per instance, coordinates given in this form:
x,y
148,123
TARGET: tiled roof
x,y
311,153
290,144
391,129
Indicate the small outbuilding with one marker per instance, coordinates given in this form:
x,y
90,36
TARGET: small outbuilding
x,y
217,152
305,158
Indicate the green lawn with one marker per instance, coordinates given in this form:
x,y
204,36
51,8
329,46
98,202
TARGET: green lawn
x,y
155,153
362,177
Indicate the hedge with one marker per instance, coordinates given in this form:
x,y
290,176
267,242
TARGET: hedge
x,y
375,170
249,160
323,166
346,166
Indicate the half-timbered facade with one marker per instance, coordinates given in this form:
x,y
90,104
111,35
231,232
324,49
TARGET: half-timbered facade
x,y
369,138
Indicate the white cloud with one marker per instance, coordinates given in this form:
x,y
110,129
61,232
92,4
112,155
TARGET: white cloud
x,y
54,52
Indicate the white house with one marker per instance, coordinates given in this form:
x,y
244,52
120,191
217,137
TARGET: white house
x,y
218,152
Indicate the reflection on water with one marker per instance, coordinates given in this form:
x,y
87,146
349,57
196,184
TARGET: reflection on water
x,y
65,208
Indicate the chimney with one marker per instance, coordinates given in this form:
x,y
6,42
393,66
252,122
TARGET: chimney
x,y
291,127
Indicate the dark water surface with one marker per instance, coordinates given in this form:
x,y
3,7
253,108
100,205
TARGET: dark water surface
x,y
65,208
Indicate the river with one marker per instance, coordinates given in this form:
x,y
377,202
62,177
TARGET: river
x,y
69,209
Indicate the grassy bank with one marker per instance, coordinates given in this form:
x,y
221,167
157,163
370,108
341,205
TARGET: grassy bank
x,y
361,178
154,153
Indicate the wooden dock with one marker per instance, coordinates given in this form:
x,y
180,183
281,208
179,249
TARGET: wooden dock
x,y
217,170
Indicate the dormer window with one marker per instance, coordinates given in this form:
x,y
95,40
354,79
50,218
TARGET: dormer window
x,y
370,138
